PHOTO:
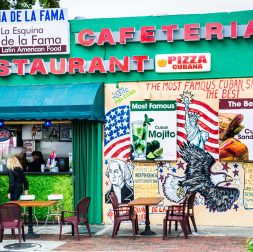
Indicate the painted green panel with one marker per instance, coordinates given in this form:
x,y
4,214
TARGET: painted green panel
x,y
41,187
230,57
87,160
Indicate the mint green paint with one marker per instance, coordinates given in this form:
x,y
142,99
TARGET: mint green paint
x,y
41,187
230,58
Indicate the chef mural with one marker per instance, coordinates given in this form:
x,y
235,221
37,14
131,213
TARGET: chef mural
x,y
213,145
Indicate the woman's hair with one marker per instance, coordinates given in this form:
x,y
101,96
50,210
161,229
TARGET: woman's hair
x,y
125,168
13,162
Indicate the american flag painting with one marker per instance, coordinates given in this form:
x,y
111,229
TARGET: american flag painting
x,y
208,121
117,133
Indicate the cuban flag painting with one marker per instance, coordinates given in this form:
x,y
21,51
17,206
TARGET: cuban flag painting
x,y
117,133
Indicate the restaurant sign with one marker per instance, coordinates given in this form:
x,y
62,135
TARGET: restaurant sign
x,y
34,32
187,62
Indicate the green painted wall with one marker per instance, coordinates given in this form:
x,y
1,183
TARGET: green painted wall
x,y
41,187
230,58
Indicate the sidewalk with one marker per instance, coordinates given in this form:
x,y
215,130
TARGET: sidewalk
x,y
207,239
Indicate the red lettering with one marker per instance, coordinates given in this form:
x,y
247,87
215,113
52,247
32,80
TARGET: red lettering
x,y
249,29
140,62
185,59
148,34
86,37
21,65
126,33
233,30
171,59
62,68
76,64
114,62
191,32
202,59
214,29
38,65
4,70
169,29
105,36
97,65
193,59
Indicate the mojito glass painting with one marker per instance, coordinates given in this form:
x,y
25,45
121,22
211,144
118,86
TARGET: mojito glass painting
x,y
153,130
139,138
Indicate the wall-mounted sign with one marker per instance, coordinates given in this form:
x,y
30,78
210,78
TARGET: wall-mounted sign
x,y
153,130
235,129
4,134
167,32
34,32
187,62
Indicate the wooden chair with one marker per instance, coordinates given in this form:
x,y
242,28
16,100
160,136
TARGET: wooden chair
x,y
123,213
177,213
10,218
81,216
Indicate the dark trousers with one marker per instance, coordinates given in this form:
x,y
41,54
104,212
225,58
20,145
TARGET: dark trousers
x,y
15,196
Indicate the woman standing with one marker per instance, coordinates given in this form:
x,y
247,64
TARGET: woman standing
x,y
17,179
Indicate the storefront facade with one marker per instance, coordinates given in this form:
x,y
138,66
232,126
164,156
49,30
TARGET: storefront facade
x,y
179,75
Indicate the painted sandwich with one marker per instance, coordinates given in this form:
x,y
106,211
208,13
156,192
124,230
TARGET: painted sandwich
x,y
229,125
233,150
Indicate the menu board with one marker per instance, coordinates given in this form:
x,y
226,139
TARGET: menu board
x,y
236,129
145,180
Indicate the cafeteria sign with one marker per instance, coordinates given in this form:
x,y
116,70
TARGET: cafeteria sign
x,y
5,134
153,130
34,32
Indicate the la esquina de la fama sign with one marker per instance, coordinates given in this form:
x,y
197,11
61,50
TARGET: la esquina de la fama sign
x,y
139,63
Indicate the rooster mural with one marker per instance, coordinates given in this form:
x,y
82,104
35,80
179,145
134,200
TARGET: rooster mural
x,y
200,178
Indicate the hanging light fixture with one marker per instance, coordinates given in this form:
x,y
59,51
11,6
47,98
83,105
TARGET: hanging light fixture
x,y
1,123
48,123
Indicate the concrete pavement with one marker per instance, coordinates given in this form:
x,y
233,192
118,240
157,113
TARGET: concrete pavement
x,y
207,239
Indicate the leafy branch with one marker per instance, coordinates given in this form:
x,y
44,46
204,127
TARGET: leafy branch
x,y
147,120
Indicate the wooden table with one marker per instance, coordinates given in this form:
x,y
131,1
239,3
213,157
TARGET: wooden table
x,y
30,204
146,201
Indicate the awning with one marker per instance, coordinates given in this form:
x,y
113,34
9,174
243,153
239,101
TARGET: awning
x,y
58,102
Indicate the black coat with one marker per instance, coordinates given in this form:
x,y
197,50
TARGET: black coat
x,y
17,180
35,166
127,194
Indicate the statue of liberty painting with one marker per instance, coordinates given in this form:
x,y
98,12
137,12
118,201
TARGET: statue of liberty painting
x,y
195,135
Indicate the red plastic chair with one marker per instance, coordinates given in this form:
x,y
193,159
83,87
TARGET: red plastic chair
x,y
123,213
177,213
81,216
190,211
10,218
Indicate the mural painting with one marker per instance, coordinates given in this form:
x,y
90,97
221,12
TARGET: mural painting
x,y
221,185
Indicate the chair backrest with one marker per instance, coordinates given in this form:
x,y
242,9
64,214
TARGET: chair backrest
x,y
191,203
27,197
55,197
9,212
114,200
115,204
83,207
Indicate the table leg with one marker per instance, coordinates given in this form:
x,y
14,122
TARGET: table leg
x,y
30,233
147,230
